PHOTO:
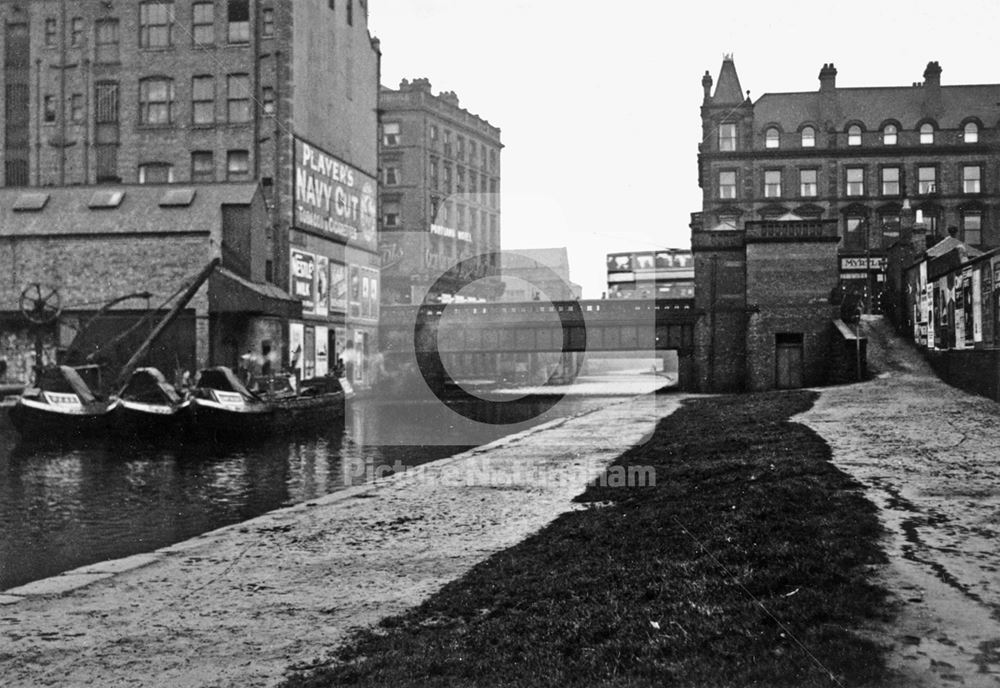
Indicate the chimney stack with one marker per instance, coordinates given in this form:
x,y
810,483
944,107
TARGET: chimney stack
x,y
932,89
827,78
828,102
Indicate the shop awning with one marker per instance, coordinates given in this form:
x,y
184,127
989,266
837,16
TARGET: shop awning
x,y
230,293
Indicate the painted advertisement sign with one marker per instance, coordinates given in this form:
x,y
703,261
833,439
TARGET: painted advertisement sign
x,y
303,277
334,198
338,287
977,306
322,285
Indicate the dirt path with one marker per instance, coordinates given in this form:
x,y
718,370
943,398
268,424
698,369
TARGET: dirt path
x,y
239,606
929,455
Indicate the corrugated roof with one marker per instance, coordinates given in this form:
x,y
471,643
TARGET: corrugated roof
x,y
874,105
68,210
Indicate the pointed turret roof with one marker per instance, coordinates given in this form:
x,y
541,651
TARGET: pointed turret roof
x,y
728,91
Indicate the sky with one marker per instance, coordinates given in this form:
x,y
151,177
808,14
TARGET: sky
x,y
598,102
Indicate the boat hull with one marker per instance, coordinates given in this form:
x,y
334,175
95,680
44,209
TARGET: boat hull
x,y
39,421
139,419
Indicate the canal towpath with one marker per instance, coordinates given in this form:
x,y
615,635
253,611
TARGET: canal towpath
x,y
243,604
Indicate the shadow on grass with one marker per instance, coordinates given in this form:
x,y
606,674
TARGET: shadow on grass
x,y
747,564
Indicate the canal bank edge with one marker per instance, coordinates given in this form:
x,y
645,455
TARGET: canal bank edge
x,y
72,580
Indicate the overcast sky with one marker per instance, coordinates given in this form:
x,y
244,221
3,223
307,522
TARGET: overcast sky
x,y
598,102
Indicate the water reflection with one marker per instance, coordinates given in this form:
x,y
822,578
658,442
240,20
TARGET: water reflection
x,y
61,508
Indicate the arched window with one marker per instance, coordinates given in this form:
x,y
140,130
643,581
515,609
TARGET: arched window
x,y
889,134
772,138
926,133
971,132
854,135
808,137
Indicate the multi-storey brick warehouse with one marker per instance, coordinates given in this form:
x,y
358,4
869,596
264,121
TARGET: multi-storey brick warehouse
x,y
441,192
197,91
859,156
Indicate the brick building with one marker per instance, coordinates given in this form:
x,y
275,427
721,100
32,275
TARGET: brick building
x,y
440,168
764,291
281,93
95,244
859,156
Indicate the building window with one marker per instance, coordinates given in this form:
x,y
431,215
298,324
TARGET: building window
x,y
494,193
971,134
727,184
929,218
970,178
461,148
391,175
76,32
51,32
433,132
855,181
854,135
435,177
237,165
808,137
772,183
156,101
106,41
460,177
390,214
106,102
890,181
239,21
926,180
350,12
972,227
435,207
156,23
772,138
390,133
238,98
808,187
156,173
203,100
76,108
203,23
267,22
926,133
267,100
727,137
202,166
447,178
853,232
889,134
49,109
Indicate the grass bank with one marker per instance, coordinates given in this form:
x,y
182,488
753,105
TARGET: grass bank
x,y
745,565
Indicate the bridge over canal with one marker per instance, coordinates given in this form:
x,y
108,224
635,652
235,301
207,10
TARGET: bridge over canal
x,y
547,339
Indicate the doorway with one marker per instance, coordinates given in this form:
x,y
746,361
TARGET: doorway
x,y
788,360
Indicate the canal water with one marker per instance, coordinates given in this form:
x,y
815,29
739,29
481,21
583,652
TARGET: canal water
x,y
64,507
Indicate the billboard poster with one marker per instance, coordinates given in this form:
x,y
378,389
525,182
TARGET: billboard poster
x,y
322,285
354,291
303,277
322,354
338,287
620,262
296,334
333,198
959,306
967,303
977,306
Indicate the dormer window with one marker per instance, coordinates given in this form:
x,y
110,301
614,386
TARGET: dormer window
x,y
926,133
854,135
772,138
971,132
889,134
727,137
808,137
